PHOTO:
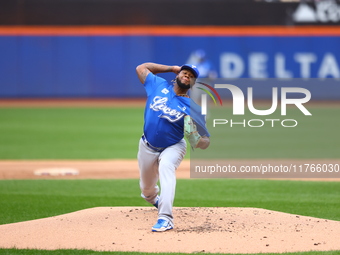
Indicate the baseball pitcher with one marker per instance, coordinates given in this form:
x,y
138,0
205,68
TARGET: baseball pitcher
x,y
169,116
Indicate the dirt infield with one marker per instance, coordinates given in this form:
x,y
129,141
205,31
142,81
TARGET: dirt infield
x,y
87,169
125,169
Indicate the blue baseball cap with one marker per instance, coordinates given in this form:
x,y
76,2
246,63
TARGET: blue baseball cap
x,y
192,68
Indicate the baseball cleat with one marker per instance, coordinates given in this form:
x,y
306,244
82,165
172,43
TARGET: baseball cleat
x,y
161,226
156,204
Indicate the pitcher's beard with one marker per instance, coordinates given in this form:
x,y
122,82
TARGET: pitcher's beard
x,y
182,85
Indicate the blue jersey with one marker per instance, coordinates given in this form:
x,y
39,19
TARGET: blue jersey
x,y
165,111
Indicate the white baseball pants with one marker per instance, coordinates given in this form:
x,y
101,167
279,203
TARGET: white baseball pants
x,y
154,166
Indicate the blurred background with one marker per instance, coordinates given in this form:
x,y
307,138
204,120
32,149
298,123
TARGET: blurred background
x,y
90,48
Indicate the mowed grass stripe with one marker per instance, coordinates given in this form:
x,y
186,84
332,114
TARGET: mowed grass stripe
x,y
22,200
70,133
109,133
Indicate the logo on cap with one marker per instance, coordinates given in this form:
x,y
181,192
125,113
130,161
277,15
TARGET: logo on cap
x,y
192,68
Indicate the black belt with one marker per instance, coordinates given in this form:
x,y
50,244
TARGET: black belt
x,y
157,149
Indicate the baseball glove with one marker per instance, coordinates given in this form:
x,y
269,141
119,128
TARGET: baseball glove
x,y
190,131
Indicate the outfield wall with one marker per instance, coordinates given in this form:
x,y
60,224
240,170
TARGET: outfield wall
x,y
73,62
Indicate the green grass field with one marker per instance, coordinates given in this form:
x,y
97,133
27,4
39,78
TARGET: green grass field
x,y
22,200
70,133
108,133
314,136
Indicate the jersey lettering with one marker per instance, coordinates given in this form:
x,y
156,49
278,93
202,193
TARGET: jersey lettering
x,y
159,104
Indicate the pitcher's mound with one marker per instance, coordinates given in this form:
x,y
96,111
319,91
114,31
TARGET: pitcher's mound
x,y
218,230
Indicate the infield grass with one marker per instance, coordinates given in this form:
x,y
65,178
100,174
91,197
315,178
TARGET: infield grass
x,y
108,133
22,200
70,133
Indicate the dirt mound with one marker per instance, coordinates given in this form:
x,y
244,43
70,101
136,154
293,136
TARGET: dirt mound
x,y
224,230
